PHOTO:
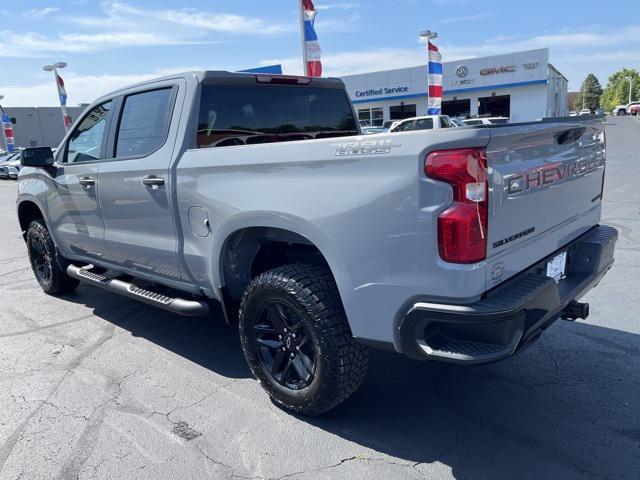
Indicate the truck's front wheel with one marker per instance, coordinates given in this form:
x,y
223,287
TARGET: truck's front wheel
x,y
297,341
42,256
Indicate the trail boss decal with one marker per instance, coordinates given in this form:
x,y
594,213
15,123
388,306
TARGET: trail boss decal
x,y
379,147
511,238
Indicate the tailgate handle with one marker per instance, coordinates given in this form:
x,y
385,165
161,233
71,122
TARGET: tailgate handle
x,y
569,136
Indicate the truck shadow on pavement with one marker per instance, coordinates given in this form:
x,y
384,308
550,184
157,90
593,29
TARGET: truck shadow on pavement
x,y
209,342
567,407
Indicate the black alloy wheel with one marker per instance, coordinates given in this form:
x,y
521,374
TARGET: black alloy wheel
x,y
51,277
284,345
40,259
297,341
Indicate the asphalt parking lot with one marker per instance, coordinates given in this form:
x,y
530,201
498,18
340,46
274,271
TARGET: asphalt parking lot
x,y
94,385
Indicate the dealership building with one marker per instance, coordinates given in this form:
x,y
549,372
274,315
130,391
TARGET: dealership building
x,y
38,126
521,85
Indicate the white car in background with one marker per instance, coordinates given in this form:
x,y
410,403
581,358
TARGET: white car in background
x,y
8,165
620,110
373,130
427,122
585,111
486,121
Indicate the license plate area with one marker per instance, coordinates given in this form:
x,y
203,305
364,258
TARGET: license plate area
x,y
557,267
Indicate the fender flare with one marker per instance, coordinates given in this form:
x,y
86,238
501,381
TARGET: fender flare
x,y
296,225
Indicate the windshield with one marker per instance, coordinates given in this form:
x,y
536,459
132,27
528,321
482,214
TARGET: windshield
x,y
251,114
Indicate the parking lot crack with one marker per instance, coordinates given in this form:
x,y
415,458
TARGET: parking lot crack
x,y
17,435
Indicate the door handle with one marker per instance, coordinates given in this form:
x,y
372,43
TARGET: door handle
x,y
153,182
87,182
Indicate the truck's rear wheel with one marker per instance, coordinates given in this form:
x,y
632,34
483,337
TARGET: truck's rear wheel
x,y
42,256
297,341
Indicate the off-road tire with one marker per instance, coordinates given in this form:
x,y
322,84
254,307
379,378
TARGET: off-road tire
x,y
340,361
57,282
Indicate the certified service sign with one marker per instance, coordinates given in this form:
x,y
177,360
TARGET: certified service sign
x,y
462,71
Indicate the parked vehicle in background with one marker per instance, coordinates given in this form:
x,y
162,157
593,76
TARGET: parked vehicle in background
x,y
599,111
14,167
485,121
620,110
633,108
373,130
573,114
456,122
388,124
8,166
317,240
427,122
364,123
585,111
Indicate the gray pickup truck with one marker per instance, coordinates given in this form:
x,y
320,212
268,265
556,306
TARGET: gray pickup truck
x,y
259,192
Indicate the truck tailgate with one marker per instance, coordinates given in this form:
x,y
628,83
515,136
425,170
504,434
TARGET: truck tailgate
x,y
546,184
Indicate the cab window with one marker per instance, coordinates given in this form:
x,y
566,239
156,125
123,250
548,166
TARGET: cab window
x,y
404,127
232,115
424,124
85,143
143,123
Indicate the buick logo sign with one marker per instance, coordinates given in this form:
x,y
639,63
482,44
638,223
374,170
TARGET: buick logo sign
x,y
462,71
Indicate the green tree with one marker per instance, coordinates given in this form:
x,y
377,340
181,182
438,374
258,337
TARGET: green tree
x,y
617,90
590,93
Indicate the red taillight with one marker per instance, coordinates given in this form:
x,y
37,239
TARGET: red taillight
x,y
462,228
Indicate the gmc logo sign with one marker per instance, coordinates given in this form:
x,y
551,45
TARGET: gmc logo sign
x,y
495,70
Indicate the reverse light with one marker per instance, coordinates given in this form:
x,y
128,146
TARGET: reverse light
x,y
462,228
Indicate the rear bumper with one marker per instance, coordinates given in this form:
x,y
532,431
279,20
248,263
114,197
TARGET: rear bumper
x,y
511,315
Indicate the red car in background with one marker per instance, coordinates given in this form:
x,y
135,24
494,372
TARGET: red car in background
x,y
633,108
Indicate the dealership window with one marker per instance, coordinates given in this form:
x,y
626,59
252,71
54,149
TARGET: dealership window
x,y
371,116
457,108
402,111
495,106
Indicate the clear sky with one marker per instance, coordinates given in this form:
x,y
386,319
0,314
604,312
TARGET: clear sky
x,y
108,44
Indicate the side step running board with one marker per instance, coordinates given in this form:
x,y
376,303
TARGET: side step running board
x,y
189,308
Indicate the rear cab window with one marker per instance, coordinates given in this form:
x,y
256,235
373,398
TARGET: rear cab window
x,y
250,113
143,123
424,124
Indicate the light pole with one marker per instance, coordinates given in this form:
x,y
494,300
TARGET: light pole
x,y
630,78
428,35
62,93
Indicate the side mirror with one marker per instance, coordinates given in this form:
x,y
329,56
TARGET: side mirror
x,y
39,157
